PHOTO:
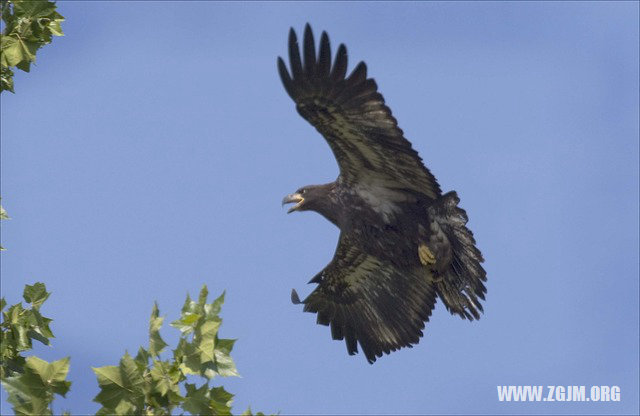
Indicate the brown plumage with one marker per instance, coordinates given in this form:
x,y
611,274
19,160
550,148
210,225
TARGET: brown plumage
x,y
402,242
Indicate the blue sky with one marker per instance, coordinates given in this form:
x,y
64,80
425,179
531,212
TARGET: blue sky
x,y
147,153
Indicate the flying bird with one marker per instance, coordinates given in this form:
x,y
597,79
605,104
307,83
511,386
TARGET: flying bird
x,y
403,243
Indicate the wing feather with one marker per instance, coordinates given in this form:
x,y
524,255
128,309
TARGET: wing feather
x,y
309,52
358,75
285,77
369,301
352,116
340,65
324,58
294,58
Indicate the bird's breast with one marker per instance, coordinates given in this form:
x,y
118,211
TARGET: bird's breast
x,y
394,242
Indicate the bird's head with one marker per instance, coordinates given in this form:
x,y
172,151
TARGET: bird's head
x,y
309,198
304,199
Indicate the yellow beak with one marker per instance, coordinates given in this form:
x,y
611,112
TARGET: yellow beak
x,y
291,199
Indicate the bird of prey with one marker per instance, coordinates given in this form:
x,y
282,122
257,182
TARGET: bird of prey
x,y
403,243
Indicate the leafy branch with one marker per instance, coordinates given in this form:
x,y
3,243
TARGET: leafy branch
x,y
28,25
147,384
30,382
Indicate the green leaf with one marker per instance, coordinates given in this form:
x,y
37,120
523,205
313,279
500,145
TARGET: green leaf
x,y
188,358
216,306
142,358
32,392
207,339
120,383
3,212
55,27
18,52
36,294
187,304
12,364
197,401
26,398
202,298
223,364
34,8
34,335
156,343
205,401
166,377
221,400
53,374
39,323
125,408
23,341
113,388
187,323
14,314
225,345
6,83
24,65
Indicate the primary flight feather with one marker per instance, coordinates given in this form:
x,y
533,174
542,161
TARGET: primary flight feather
x,y
402,244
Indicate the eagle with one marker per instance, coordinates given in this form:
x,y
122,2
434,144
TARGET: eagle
x,y
403,243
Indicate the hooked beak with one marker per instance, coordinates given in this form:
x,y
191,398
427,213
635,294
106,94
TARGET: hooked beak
x,y
291,199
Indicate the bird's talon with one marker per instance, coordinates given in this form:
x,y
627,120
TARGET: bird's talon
x,y
426,256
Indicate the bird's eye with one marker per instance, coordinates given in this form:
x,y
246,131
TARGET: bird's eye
x,y
302,191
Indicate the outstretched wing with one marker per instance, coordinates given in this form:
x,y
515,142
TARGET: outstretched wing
x,y
369,301
351,115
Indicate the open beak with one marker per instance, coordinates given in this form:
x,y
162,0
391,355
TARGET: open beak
x,y
296,199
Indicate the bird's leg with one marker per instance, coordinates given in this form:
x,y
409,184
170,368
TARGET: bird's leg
x,y
427,259
426,256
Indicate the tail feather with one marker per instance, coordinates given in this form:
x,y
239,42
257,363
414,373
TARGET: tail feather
x,y
461,282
